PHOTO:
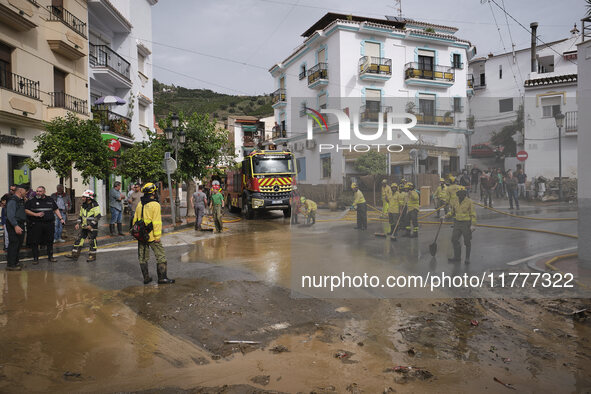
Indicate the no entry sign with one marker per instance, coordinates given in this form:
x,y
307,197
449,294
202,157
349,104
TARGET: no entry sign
x,y
522,155
114,145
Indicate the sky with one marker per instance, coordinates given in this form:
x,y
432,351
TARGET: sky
x,y
228,46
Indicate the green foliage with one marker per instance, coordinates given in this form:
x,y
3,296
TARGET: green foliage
x,y
69,143
430,30
505,136
372,163
143,161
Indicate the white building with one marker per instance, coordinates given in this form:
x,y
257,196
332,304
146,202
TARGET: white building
x,y
503,83
379,66
120,60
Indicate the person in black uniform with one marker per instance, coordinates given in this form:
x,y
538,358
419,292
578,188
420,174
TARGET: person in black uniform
x,y
41,210
16,218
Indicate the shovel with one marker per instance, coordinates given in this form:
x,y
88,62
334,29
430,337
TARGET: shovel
x,y
433,246
393,237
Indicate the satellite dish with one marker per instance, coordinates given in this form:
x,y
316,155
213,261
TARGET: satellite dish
x,y
423,154
413,153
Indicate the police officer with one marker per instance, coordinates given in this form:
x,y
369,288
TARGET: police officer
x,y
90,214
150,212
42,211
15,226
361,206
464,213
412,205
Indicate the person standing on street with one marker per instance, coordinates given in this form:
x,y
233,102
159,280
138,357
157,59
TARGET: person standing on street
x,y
217,203
115,198
150,212
3,220
62,199
361,206
441,197
133,198
42,212
90,214
309,210
521,179
464,213
465,180
511,185
394,209
16,219
488,183
412,204
386,195
199,202
474,177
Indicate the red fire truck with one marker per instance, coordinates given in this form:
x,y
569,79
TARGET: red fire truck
x,y
263,182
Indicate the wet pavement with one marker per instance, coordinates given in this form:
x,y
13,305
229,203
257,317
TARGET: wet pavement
x,y
94,327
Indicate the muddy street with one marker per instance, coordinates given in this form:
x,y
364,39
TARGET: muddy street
x,y
234,322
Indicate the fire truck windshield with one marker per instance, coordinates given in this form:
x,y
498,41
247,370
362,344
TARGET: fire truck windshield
x,y
263,165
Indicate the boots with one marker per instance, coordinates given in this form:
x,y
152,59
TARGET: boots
x,y
145,273
162,278
457,255
112,229
74,255
120,229
91,257
467,261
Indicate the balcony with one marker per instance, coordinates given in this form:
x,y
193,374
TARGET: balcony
x,y
375,68
570,122
19,84
112,122
279,98
66,35
433,76
108,67
436,118
470,82
479,83
318,75
69,103
17,15
249,140
61,14
104,12
279,132
371,113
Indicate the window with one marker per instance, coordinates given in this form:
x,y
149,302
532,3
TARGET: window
x,y
427,104
322,56
550,106
322,99
482,79
142,114
302,72
301,166
325,165
457,60
5,66
546,64
141,62
373,99
372,49
458,104
500,71
426,60
506,105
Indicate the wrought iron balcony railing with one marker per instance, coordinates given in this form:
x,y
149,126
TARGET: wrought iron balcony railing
x,y
103,56
375,65
71,103
57,13
279,132
318,72
371,113
278,96
112,122
437,118
470,81
19,84
434,72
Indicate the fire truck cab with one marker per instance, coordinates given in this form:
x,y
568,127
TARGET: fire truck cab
x,y
263,183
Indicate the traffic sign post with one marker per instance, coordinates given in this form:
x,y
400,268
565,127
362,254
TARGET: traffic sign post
x,y
169,165
522,155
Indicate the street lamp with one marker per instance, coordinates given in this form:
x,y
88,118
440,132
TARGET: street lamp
x,y
176,137
559,118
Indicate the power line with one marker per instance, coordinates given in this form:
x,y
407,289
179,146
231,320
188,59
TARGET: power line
x,y
512,42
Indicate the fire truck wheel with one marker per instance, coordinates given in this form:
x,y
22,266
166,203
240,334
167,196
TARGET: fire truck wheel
x,y
287,213
246,209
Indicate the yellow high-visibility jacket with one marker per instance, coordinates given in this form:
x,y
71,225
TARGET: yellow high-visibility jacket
x,y
441,194
359,199
463,211
412,200
309,206
394,202
386,193
452,190
152,214
402,199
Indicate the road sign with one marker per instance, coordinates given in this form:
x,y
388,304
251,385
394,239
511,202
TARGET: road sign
x,y
522,155
169,165
114,145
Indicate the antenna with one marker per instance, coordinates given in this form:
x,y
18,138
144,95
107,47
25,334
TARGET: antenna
x,y
398,7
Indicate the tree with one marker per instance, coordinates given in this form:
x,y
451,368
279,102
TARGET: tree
x,y
143,161
72,143
372,163
504,137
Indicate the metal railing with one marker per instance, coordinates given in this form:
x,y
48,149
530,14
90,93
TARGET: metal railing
x,y
103,56
57,13
437,118
279,132
375,65
570,122
479,84
71,103
19,84
318,72
435,72
372,113
458,65
302,75
278,96
113,122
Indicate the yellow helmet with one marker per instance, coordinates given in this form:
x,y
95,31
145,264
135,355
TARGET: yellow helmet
x,y
462,188
353,185
149,188
394,185
303,199
452,179
384,181
441,180
410,185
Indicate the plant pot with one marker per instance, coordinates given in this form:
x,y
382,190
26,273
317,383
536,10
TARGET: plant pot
x,y
332,205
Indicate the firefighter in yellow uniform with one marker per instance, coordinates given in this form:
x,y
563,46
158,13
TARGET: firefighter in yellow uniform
x,y
394,208
149,211
464,213
87,223
441,197
309,208
386,195
452,190
412,204
361,206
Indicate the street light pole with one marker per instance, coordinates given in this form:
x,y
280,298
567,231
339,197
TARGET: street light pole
x,y
559,117
175,136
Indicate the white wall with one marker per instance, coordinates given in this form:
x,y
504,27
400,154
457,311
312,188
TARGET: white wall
x,y
584,158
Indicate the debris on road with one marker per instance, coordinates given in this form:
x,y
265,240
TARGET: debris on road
x,y
474,323
279,349
263,380
411,351
69,374
508,385
345,356
507,360
410,373
580,314
235,342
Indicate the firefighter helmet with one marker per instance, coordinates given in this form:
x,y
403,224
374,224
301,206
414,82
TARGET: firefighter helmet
x,y
394,185
410,186
353,185
149,188
88,194
303,199
441,180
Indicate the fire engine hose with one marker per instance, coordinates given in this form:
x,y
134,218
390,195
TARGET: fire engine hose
x,y
525,217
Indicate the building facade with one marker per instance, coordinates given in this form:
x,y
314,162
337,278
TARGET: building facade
x,y
375,67
43,74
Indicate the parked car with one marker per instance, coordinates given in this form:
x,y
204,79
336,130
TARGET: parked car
x,y
486,150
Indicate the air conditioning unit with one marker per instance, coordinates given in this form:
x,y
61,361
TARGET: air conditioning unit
x,y
298,146
310,144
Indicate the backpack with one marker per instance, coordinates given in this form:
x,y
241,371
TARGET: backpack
x,y
140,230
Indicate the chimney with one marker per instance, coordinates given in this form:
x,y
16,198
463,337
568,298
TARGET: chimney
x,y
534,30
